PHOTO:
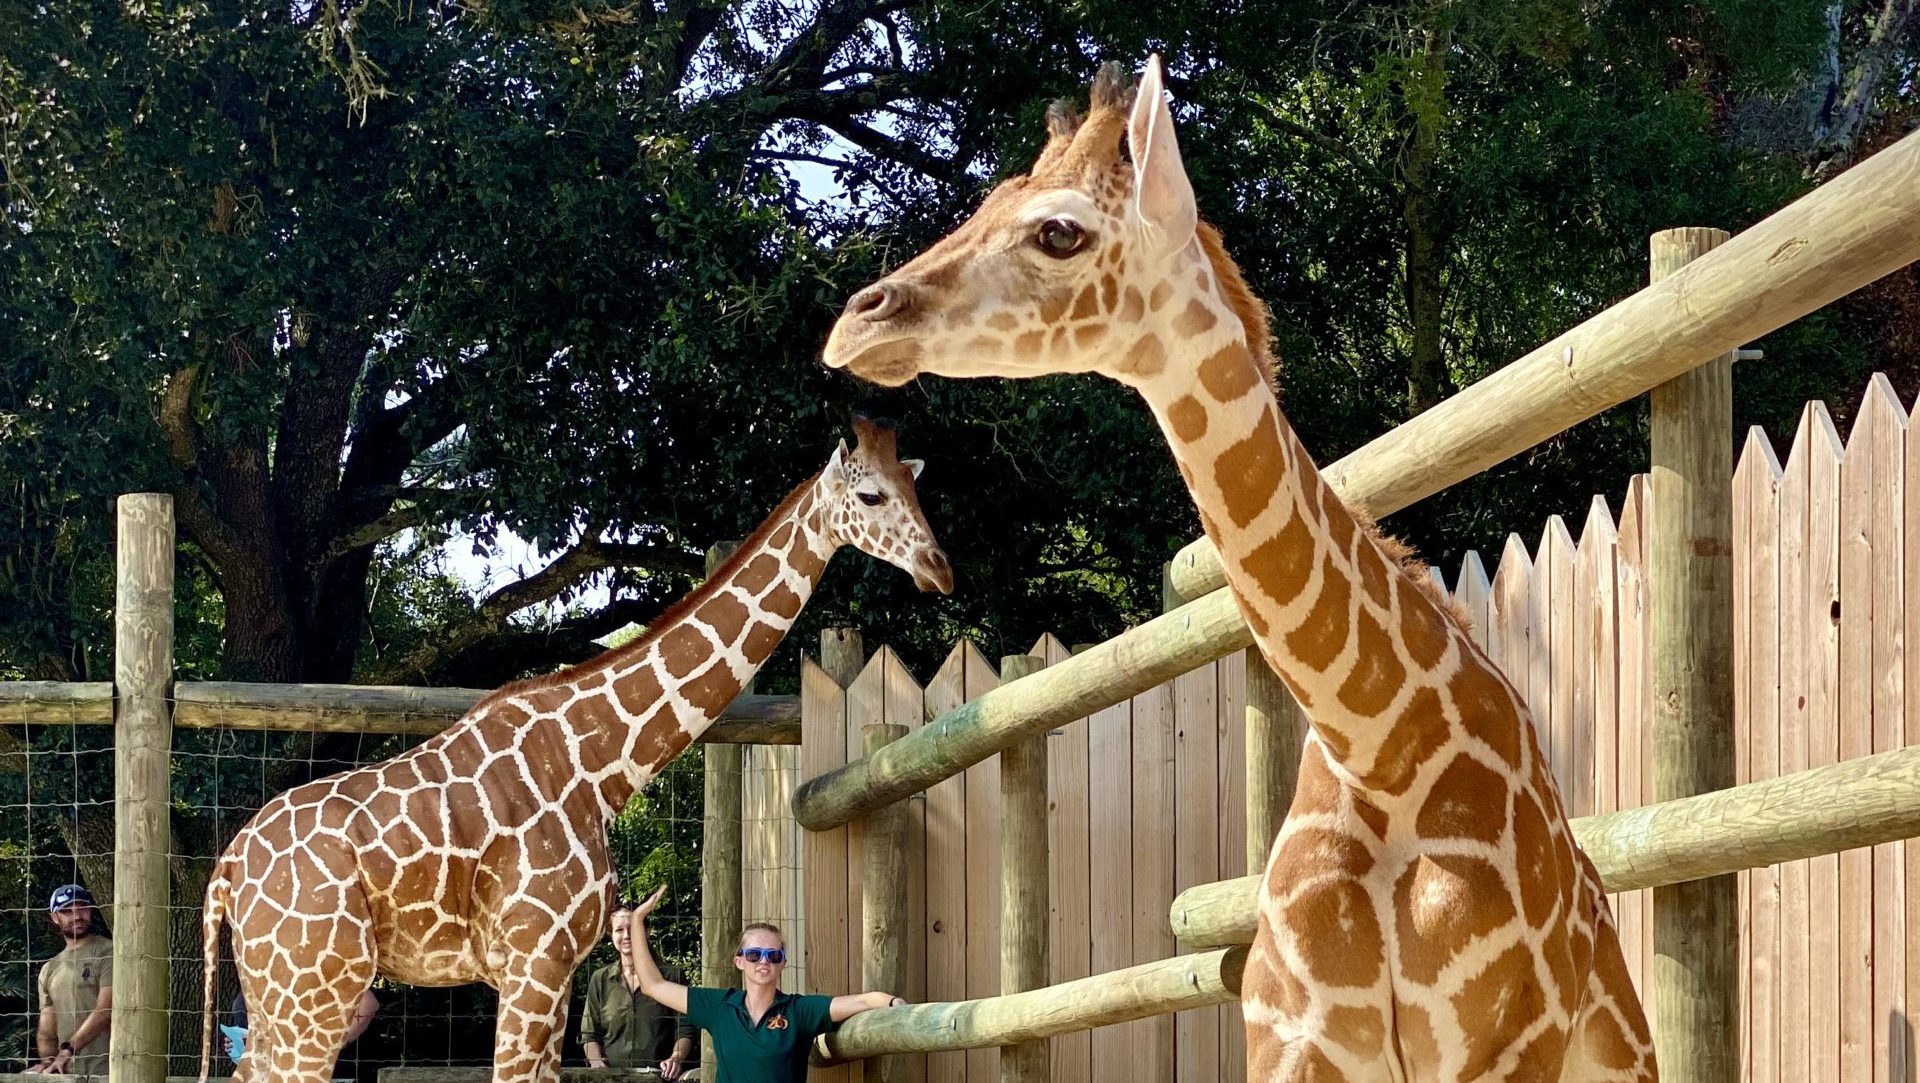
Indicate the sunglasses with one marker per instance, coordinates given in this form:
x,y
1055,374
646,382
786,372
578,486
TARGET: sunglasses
x,y
774,956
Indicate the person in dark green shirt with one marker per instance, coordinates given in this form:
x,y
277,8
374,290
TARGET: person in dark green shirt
x,y
760,1034
621,1027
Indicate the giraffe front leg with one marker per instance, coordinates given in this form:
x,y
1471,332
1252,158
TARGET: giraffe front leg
x,y
532,1020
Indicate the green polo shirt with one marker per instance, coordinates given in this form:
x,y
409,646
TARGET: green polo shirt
x,y
772,1051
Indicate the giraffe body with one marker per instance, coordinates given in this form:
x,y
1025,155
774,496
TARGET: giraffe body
x,y
480,854
1425,915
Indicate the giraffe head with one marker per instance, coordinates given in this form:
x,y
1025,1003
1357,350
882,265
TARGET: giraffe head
x,y
1089,263
872,505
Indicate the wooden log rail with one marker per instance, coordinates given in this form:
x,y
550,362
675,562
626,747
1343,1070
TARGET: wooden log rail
x,y
1850,231
1861,802
1157,988
1856,228
341,708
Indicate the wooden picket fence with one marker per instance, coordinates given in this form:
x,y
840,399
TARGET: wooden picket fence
x,y
1145,798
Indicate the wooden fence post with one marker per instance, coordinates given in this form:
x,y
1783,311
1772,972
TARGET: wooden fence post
x,y
883,900
720,860
142,753
1024,902
1276,729
1695,995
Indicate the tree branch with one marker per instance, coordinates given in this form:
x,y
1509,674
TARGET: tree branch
x,y
697,23
832,111
386,526
514,651
1371,172
568,569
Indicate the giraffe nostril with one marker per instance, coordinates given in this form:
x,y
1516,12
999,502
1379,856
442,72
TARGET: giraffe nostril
x,y
877,302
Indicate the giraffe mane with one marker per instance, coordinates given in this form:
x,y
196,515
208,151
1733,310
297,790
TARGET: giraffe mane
x,y
1253,312
1402,555
671,616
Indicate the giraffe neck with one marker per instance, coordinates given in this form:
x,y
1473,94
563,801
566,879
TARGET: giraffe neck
x,y
635,708
1366,649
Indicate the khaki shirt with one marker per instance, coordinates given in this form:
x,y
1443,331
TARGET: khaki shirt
x,y
71,981
632,1030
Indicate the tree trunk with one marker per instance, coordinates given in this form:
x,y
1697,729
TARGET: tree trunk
x,y
262,635
1425,94
339,619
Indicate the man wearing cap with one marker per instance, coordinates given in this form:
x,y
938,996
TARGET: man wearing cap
x,y
76,989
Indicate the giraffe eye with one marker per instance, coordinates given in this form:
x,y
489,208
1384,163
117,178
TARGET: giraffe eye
x,y
871,500
1060,238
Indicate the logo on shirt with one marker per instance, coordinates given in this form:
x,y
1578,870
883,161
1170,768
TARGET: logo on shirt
x,y
778,1022
86,975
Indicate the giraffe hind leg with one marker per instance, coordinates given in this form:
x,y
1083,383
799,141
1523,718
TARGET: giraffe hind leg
x,y
296,1027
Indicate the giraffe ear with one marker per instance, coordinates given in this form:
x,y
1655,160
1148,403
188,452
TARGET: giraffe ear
x,y
914,466
1163,196
836,471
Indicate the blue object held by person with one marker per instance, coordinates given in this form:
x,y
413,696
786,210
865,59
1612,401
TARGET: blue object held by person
x,y
236,1041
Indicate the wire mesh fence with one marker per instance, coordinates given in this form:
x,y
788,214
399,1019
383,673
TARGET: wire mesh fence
x,y
57,828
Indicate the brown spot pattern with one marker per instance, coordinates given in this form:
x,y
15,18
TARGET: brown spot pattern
x,y
1468,801
1444,904
1423,629
1319,638
683,648
1146,357
1195,319
1346,947
1188,418
758,573
723,614
1495,1006
1533,859
1229,373
1282,563
1249,473
1373,576
1486,709
1377,674
1417,735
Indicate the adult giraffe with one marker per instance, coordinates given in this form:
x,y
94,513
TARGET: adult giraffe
x,y
480,855
1424,914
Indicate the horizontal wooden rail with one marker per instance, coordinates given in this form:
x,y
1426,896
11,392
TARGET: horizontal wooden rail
x,y
54,703
1850,231
1855,228
1098,677
1169,985
1862,802
341,708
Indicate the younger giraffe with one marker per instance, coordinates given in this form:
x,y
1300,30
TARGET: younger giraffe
x,y
480,855
1424,914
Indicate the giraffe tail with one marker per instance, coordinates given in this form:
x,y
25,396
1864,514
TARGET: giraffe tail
x,y
219,893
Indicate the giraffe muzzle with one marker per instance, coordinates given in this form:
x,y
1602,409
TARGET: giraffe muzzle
x,y
932,572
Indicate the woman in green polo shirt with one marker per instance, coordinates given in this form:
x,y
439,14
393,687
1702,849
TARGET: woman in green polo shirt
x,y
760,1034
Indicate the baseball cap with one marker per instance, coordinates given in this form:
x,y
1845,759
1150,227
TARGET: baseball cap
x,y
69,895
